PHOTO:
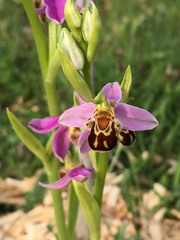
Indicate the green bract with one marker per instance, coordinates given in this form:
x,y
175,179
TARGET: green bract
x,y
74,77
90,209
126,84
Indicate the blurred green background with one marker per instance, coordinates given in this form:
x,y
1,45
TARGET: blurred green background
x,y
144,34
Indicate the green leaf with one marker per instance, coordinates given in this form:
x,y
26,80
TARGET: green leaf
x,y
90,209
27,137
75,79
126,84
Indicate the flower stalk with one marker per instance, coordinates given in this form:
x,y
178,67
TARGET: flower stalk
x,y
58,206
102,166
39,37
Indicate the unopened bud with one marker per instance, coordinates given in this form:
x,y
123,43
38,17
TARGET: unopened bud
x,y
91,29
69,46
73,17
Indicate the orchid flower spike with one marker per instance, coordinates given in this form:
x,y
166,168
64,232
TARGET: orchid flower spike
x,y
107,121
79,174
62,137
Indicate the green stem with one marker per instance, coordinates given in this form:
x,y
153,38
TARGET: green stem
x,y
102,166
48,74
38,34
52,99
87,75
58,206
72,212
52,38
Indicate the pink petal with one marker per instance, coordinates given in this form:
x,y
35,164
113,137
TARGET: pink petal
x,y
61,183
55,10
134,118
61,142
112,91
86,172
83,142
77,116
43,125
80,173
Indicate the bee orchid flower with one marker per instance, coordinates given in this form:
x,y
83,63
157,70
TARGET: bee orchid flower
x,y
107,122
104,123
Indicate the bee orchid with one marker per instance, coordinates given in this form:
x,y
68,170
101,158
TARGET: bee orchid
x,y
105,122
108,121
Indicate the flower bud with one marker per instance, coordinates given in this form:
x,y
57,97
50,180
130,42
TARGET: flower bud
x,y
73,76
91,29
70,48
126,85
73,17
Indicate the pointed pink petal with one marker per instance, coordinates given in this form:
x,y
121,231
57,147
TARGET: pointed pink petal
x,y
80,173
134,118
61,142
61,183
55,10
83,142
86,172
43,125
112,91
77,116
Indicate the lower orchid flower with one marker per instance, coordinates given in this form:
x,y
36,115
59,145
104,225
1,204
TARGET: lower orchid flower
x,y
79,174
62,137
107,122
54,10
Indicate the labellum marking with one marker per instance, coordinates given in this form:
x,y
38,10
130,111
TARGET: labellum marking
x,y
127,137
106,131
103,135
